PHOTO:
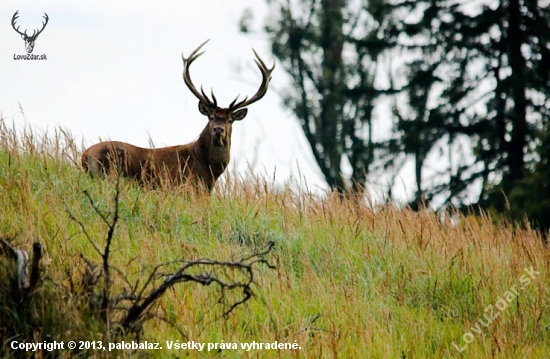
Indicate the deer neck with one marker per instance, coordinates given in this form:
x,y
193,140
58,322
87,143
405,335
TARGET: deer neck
x,y
213,154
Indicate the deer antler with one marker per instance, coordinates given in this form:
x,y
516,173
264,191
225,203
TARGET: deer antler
x,y
187,79
13,19
43,26
266,77
34,33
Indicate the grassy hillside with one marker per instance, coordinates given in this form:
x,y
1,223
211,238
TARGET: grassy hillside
x,y
351,281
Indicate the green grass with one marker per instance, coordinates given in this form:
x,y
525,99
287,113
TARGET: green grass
x,y
352,281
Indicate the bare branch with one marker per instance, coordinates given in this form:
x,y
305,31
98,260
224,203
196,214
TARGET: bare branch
x,y
141,298
138,310
107,274
83,228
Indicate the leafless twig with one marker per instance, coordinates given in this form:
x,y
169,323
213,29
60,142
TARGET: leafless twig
x,y
136,299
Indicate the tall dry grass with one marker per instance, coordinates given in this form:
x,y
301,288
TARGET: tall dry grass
x,y
353,280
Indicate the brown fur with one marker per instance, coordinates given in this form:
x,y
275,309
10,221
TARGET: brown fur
x,y
200,162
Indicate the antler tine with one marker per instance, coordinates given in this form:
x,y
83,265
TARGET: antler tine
x,y
13,19
266,77
213,97
235,100
187,79
44,23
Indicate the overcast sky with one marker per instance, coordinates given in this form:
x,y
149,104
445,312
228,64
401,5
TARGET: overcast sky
x,y
114,71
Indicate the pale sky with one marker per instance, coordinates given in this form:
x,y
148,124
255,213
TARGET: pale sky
x,y
114,71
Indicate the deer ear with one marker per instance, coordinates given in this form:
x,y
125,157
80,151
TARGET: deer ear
x,y
239,115
205,109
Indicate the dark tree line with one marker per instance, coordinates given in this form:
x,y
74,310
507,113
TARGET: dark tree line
x,y
321,45
468,85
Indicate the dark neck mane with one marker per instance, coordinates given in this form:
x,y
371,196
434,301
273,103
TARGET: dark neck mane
x,y
211,154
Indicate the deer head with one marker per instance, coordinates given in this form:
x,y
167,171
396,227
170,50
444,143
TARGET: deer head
x,y
220,120
29,40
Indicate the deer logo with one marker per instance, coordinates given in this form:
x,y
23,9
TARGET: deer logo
x,y
29,40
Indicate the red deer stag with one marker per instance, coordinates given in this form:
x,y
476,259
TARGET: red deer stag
x,y
199,163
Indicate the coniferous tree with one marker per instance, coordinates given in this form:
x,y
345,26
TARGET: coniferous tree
x,y
330,50
470,92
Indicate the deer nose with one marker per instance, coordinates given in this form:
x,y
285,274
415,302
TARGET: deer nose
x,y
218,131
